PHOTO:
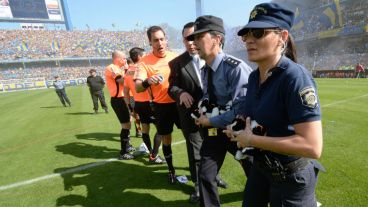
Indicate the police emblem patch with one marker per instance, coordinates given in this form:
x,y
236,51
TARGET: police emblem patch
x,y
253,14
308,97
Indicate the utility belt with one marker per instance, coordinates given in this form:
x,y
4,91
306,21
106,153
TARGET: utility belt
x,y
273,167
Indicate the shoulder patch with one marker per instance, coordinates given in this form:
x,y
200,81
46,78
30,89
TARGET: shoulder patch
x,y
233,62
308,97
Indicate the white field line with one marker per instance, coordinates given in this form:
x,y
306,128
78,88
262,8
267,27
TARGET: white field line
x,y
344,100
72,170
96,164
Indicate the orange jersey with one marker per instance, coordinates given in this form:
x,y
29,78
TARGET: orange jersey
x,y
129,83
111,73
151,65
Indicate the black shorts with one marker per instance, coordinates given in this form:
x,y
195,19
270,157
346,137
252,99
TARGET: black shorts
x,y
121,109
166,116
143,109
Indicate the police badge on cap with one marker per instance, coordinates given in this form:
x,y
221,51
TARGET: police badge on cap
x,y
308,97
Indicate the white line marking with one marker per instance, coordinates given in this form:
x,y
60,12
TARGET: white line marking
x,y
344,100
96,164
72,170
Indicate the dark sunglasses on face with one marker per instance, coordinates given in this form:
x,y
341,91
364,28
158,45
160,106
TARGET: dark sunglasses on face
x,y
257,33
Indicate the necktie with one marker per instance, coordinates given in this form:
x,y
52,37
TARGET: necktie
x,y
210,87
203,71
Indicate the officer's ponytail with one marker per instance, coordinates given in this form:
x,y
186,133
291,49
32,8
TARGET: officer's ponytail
x,y
290,50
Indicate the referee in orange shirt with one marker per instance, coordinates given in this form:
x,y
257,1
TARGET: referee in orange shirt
x,y
153,74
114,76
141,105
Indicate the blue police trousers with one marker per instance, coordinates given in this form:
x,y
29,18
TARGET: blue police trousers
x,y
296,190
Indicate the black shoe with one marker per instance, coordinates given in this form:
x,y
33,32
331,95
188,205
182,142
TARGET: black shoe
x,y
171,177
221,183
96,112
194,197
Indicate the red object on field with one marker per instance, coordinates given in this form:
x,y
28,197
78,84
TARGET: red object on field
x,y
359,68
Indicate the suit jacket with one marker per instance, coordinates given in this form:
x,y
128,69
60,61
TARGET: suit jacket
x,y
183,78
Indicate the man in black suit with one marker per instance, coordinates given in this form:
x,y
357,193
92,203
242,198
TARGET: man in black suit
x,y
186,89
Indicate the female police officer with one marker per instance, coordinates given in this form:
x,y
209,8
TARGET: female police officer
x,y
282,99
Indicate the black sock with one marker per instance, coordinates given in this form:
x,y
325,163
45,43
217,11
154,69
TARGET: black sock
x,y
156,145
166,149
124,140
147,141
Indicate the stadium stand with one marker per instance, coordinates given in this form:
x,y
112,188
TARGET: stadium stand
x,y
331,36
39,44
50,72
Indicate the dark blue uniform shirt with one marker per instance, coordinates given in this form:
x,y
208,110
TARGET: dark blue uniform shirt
x,y
229,80
287,97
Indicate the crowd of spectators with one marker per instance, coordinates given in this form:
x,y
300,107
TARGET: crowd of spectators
x,y
49,73
39,44
355,12
353,15
49,44
340,54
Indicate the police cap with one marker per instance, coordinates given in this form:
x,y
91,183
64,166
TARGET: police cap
x,y
269,15
207,23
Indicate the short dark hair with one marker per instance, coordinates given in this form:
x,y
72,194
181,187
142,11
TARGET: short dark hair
x,y
186,26
135,53
129,60
153,29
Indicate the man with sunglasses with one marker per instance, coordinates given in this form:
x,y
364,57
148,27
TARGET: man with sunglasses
x,y
224,81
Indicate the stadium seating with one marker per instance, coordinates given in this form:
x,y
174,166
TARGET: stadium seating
x,y
48,73
40,44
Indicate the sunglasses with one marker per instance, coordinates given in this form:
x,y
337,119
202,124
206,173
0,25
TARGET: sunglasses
x,y
257,33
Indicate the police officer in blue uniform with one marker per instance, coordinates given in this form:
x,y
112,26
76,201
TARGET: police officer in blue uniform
x,y
224,81
60,91
282,100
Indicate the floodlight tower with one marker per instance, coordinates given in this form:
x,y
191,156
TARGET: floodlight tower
x,y
199,8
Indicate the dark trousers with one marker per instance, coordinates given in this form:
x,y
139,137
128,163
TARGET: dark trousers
x,y
62,96
98,95
194,142
297,190
213,153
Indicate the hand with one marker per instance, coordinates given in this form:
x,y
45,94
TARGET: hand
x,y
229,132
243,137
186,99
152,80
155,79
203,121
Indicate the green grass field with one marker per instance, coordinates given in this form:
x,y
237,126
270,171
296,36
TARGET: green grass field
x,y
39,138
